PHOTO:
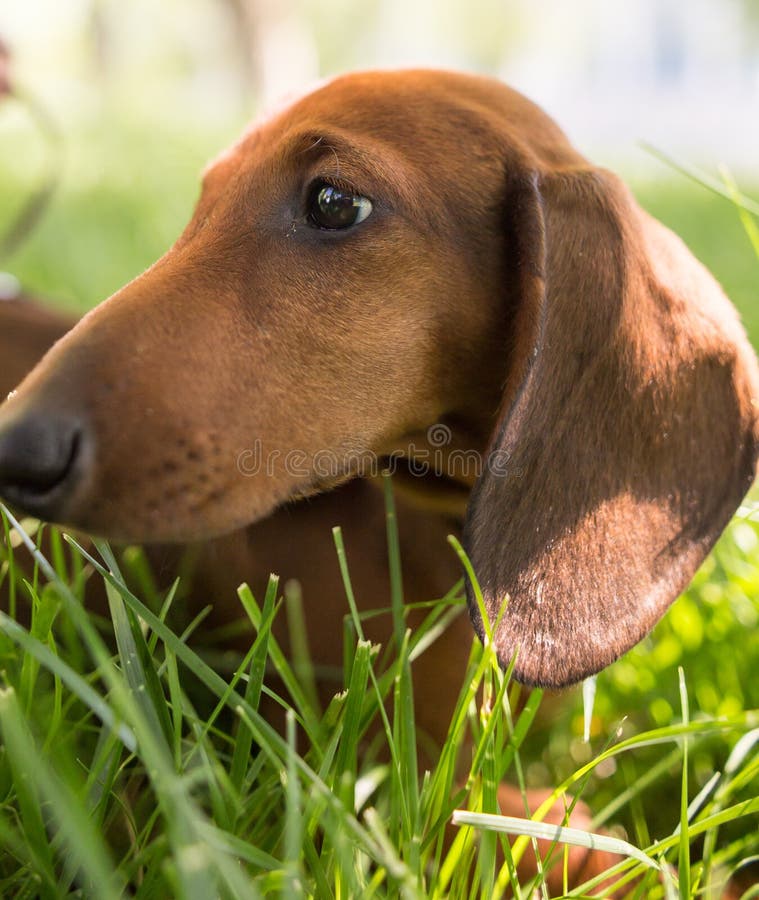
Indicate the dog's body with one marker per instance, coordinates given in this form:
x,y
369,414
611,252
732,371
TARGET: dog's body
x,y
392,253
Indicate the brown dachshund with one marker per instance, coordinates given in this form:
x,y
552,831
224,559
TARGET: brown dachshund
x,y
412,269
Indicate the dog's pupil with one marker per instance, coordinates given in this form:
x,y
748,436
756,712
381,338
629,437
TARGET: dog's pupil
x,y
336,208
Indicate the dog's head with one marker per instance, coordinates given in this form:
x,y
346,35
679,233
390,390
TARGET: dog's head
x,y
392,251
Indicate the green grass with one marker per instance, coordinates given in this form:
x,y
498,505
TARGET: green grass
x,y
129,765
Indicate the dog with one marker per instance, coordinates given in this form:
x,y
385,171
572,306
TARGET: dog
x,y
393,257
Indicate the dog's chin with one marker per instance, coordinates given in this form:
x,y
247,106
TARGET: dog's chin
x,y
121,520
318,485
167,525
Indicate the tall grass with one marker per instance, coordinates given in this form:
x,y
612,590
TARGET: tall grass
x,y
114,781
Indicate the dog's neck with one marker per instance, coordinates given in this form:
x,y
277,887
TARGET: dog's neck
x,y
435,469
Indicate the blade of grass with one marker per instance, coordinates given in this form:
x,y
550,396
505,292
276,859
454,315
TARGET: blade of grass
x,y
486,858
343,563
137,667
102,774
747,219
11,562
405,720
559,833
684,848
175,697
309,718
244,736
405,793
302,663
588,700
83,841
44,610
293,826
698,175
461,553
346,763
163,613
394,561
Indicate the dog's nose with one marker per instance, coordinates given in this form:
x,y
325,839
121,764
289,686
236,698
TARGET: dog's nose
x,y
38,462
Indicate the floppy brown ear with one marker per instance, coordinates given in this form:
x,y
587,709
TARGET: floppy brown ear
x,y
628,433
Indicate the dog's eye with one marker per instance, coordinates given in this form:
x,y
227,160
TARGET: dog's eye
x,y
332,207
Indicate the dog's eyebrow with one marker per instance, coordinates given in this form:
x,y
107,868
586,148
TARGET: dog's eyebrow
x,y
321,145
317,145
374,164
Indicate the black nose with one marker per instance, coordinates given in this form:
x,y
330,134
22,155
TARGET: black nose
x,y
38,462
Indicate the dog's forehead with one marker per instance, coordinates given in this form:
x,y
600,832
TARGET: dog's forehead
x,y
361,102
379,101
402,118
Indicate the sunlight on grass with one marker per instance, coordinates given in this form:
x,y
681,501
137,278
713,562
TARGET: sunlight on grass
x,y
113,779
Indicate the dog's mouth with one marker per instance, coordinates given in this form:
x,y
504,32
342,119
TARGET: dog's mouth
x,y
422,484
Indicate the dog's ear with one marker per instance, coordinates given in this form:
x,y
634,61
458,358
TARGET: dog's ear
x,y
627,436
